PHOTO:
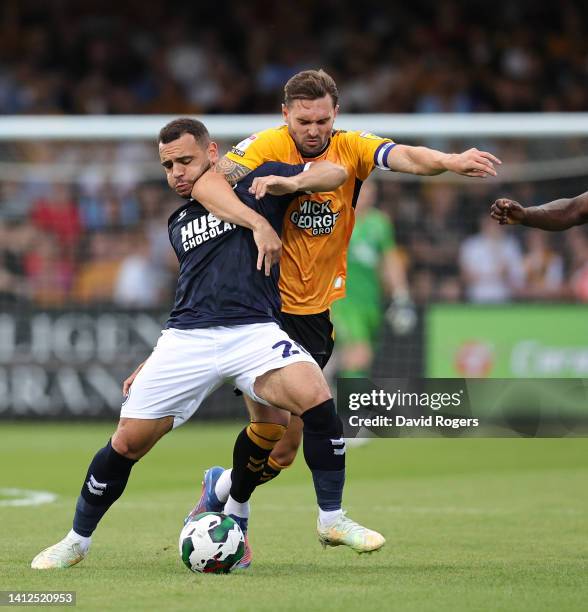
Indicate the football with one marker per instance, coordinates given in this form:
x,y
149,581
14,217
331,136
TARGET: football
x,y
211,543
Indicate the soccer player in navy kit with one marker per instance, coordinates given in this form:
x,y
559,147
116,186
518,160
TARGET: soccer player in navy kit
x,y
222,329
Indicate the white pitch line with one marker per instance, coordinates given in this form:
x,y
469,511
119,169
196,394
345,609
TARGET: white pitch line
x,y
26,497
437,510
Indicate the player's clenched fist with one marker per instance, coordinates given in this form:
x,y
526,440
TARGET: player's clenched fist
x,y
473,163
507,212
269,246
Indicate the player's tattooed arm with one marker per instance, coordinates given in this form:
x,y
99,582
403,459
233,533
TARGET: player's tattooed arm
x,y
232,171
216,195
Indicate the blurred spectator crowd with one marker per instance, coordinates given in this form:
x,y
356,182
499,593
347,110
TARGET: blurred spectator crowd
x,y
62,245
89,229
94,241
93,57
455,252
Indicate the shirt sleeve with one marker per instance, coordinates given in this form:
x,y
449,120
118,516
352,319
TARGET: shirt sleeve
x,y
272,207
370,151
281,169
267,169
255,150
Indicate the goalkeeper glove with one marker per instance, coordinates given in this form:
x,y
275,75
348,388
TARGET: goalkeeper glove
x,y
401,314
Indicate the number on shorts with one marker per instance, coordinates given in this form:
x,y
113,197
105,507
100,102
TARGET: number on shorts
x,y
287,352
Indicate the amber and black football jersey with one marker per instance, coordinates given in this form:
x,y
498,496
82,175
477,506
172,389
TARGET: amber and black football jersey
x,y
317,227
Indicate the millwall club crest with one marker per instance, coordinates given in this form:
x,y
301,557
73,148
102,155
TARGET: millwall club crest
x,y
317,217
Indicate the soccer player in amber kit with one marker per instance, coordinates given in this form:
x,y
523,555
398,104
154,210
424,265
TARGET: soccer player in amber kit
x,y
317,227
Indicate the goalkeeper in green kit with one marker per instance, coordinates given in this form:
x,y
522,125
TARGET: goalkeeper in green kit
x,y
375,271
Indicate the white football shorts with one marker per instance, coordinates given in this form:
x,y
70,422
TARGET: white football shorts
x,y
186,366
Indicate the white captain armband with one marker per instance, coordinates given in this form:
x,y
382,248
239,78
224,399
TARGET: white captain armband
x,y
381,155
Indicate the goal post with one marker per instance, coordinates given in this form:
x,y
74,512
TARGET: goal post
x,y
231,127
86,279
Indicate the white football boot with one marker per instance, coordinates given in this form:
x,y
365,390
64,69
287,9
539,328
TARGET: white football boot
x,y
345,532
64,554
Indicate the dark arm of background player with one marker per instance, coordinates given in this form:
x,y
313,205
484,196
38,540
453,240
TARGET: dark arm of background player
x,y
553,216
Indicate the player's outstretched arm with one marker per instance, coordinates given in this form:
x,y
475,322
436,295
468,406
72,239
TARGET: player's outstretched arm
x,y
213,190
553,216
320,176
429,162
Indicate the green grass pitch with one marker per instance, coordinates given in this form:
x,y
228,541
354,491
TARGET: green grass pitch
x,y
471,525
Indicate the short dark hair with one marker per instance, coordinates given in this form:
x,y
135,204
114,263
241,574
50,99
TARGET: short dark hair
x,y
178,127
310,85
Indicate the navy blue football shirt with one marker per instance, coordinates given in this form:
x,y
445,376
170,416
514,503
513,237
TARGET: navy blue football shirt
x,y
219,283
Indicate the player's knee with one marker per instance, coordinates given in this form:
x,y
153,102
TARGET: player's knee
x,y
321,396
265,435
322,420
120,443
131,444
268,414
317,392
134,438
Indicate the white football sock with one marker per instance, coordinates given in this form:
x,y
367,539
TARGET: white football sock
x,y
222,488
83,541
328,517
237,508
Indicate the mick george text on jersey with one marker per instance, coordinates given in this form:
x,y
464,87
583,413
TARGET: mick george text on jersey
x,y
315,216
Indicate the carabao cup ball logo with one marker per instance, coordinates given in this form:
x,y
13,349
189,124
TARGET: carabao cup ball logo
x,y
211,543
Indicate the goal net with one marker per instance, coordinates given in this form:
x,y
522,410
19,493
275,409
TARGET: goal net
x,y
87,274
